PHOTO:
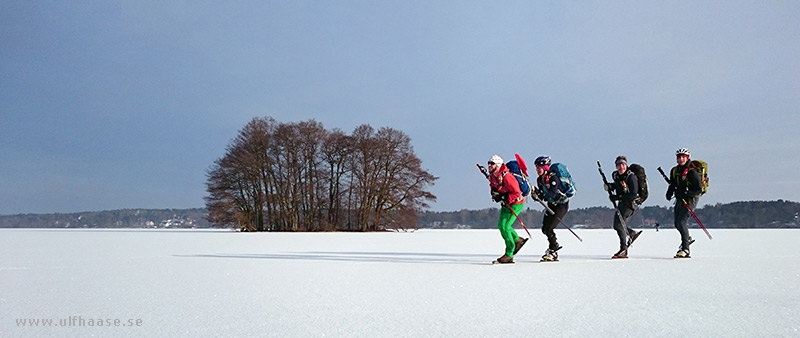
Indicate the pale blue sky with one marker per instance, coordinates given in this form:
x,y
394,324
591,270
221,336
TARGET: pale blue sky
x,y
125,104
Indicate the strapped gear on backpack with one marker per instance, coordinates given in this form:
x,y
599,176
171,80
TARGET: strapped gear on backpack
x,y
519,170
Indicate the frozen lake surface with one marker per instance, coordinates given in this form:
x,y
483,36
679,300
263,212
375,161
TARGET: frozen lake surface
x,y
430,283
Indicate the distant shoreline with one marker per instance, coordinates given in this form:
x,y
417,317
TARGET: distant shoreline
x,y
777,214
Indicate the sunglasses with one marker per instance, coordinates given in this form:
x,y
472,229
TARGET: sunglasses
x,y
491,163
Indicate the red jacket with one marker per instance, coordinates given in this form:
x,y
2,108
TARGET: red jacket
x,y
504,182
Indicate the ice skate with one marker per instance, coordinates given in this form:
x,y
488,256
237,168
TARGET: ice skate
x,y
623,253
550,256
683,253
519,244
504,260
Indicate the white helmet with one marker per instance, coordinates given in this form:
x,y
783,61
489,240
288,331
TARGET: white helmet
x,y
496,159
683,151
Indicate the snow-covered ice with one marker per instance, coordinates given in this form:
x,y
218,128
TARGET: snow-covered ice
x,y
429,283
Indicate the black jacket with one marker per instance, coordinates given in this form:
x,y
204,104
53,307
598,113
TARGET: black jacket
x,y
684,182
626,186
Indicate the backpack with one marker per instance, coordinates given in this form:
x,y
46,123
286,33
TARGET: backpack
x,y
638,170
567,184
702,169
522,179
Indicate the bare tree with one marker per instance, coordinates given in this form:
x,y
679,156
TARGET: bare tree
x,y
391,183
238,183
313,193
300,177
336,150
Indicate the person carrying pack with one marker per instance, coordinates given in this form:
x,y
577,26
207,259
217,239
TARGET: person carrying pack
x,y
686,184
505,189
555,186
626,188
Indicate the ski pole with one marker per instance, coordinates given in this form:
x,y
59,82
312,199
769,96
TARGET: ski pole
x,y
519,219
486,174
687,206
605,181
560,221
696,219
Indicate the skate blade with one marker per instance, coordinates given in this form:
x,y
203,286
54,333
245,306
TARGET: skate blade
x,y
501,263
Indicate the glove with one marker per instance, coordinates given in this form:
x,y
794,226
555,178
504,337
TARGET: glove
x,y
608,186
613,198
497,196
537,194
669,195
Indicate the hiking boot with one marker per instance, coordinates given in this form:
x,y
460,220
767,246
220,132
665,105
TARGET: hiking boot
x,y
622,253
632,238
519,244
683,253
504,260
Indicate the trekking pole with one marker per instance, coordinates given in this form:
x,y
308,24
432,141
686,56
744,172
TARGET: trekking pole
x,y
519,219
687,206
605,181
550,211
486,174
696,219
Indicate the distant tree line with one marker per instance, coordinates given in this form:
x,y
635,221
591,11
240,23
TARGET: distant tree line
x,y
752,214
123,218
302,177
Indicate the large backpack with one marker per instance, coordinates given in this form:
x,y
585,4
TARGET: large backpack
x,y
522,178
702,170
567,184
642,178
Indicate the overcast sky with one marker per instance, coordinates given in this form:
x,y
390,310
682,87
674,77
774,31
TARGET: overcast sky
x,y
111,105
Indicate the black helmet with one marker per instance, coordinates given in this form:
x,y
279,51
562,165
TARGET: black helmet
x,y
542,160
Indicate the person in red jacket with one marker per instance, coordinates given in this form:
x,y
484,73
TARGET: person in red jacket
x,y
505,190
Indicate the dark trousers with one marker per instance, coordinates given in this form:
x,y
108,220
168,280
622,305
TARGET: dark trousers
x,y
623,231
682,220
550,222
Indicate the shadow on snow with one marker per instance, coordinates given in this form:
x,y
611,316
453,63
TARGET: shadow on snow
x,y
383,257
407,257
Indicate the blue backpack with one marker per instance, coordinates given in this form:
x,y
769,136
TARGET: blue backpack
x,y
522,179
567,184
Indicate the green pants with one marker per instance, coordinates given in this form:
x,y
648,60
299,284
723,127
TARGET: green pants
x,y
506,226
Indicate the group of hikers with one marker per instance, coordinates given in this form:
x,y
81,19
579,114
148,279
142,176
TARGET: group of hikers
x,y
554,187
